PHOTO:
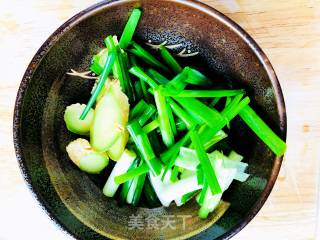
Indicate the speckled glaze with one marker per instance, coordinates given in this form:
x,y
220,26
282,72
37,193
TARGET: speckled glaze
x,y
73,199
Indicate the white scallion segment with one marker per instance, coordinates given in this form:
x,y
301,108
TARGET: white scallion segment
x,y
179,202
166,179
132,190
209,204
242,166
187,173
158,187
241,176
181,187
121,167
235,156
168,191
227,170
222,164
187,159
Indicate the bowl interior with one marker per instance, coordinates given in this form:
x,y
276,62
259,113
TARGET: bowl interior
x,y
73,198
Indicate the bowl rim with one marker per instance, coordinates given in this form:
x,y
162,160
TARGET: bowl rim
x,y
96,8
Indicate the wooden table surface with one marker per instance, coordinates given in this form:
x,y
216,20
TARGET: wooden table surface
x,y
289,33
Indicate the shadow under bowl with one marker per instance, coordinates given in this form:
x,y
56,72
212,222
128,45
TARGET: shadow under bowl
x,y
73,199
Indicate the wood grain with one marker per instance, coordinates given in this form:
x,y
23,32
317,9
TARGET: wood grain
x,y
289,33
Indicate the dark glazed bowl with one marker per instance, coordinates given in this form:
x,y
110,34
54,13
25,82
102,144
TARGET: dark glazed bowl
x,y
73,199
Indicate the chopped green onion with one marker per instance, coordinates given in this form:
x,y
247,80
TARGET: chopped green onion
x,y
174,173
199,110
170,156
241,176
96,63
126,186
144,88
172,152
195,77
138,190
171,120
209,136
116,69
138,90
111,46
234,102
146,115
251,118
151,196
229,114
214,102
228,100
177,84
169,59
210,202
143,91
142,169
208,143
208,170
187,159
120,68
205,93
157,76
185,198
151,126
200,176
143,144
125,65
181,126
203,192
164,122
130,28
187,119
104,76
138,72
147,57
168,191
133,60
121,166
138,109
235,156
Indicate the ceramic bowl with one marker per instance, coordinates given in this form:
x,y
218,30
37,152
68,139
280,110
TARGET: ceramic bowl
x,y
74,199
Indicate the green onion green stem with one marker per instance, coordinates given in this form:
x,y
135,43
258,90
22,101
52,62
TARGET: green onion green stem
x,y
251,118
138,109
130,28
144,146
104,76
186,118
138,72
132,173
169,60
200,111
206,166
163,117
205,93
157,76
151,126
147,57
172,152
